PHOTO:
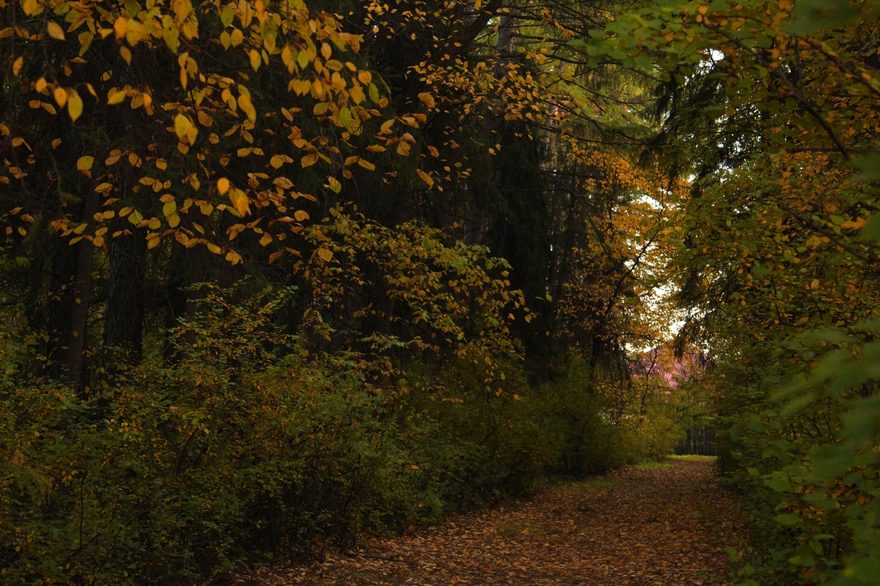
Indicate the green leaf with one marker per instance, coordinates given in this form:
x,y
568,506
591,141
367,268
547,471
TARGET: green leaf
x,y
798,404
788,519
778,482
812,16
868,166
871,230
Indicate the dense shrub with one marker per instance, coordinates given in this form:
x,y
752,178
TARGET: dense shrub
x,y
803,450
250,442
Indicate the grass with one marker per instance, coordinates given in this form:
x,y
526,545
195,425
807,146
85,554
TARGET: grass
x,y
664,461
577,483
651,464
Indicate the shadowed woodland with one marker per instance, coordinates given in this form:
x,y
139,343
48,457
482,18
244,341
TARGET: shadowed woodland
x,y
282,279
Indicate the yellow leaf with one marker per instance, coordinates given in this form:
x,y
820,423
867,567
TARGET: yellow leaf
x,y
169,209
287,57
115,96
17,65
40,85
204,119
55,31
357,94
301,215
300,86
244,102
386,126
31,7
427,99
120,27
856,224
815,241
335,185
184,128
255,59
223,185
309,160
303,58
85,163
74,106
240,201
325,254
429,181
282,182
318,91
60,95
345,117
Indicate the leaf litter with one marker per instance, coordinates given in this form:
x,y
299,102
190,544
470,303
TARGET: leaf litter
x,y
640,525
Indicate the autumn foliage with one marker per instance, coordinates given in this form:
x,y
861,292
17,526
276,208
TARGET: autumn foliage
x,y
278,274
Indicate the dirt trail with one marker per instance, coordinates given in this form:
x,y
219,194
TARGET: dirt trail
x,y
662,525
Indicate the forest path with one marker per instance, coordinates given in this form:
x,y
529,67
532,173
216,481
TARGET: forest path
x,y
660,524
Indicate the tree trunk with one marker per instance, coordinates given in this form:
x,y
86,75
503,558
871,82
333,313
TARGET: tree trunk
x,y
55,316
81,297
507,32
187,267
124,322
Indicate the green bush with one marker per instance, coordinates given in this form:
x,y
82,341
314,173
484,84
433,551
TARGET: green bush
x,y
803,449
253,443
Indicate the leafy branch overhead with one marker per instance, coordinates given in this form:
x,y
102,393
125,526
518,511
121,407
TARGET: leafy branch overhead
x,y
231,102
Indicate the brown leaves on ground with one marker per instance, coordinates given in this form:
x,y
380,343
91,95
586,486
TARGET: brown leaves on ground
x,y
662,525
